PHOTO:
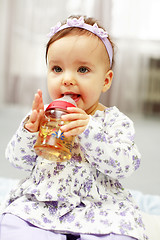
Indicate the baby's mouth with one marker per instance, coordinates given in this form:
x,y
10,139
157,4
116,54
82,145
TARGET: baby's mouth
x,y
74,96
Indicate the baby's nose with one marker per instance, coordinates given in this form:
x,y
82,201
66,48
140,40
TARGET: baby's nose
x,y
68,80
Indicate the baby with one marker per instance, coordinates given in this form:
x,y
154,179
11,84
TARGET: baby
x,y
81,198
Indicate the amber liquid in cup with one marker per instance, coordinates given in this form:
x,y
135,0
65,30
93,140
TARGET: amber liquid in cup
x,y
51,142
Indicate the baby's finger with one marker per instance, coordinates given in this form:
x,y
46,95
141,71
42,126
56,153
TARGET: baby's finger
x,y
75,110
35,102
74,116
74,132
30,127
39,91
38,101
41,104
40,115
74,124
33,117
33,123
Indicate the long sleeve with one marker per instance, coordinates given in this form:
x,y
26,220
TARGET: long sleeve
x,y
82,195
108,144
20,150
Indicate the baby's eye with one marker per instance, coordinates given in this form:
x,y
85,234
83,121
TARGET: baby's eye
x,y
57,69
83,70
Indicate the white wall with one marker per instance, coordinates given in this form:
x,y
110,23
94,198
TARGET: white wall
x,y
4,32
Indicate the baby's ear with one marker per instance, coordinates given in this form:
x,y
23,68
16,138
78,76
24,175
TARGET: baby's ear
x,y
108,80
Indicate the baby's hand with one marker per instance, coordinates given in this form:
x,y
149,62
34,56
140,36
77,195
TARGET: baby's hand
x,y
78,121
37,112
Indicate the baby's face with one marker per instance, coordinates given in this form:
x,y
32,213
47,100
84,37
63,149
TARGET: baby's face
x,y
78,65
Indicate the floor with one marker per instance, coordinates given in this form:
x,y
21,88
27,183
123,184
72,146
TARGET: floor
x,y
146,179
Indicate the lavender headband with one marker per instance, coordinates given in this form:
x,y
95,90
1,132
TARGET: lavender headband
x,y
79,23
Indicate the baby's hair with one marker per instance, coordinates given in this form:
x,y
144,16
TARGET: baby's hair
x,y
64,32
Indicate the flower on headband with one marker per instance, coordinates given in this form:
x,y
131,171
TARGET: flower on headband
x,y
73,22
99,31
54,29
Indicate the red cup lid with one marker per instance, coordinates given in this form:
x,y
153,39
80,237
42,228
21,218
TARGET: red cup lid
x,y
59,104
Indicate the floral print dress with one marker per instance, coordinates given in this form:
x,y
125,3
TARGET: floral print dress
x,y
82,195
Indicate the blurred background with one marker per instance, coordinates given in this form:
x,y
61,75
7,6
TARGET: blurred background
x,y
134,28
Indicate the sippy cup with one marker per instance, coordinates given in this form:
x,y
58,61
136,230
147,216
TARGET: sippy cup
x,y
51,142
